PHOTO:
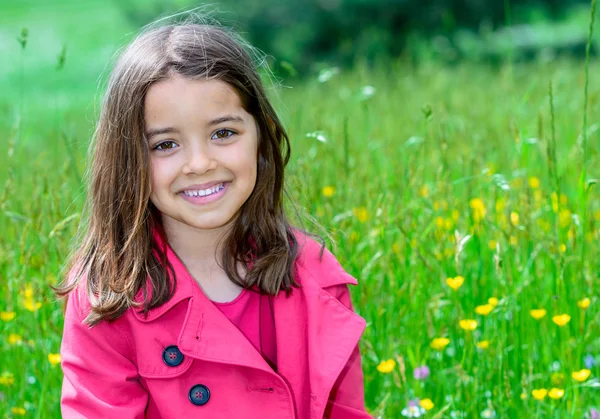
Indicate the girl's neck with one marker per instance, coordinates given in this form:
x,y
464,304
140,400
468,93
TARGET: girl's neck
x,y
197,248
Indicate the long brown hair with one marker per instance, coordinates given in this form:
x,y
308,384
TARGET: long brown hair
x,y
116,252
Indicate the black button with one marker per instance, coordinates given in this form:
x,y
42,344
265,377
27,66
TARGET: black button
x,y
199,394
172,356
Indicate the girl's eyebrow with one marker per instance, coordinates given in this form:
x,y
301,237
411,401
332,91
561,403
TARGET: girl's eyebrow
x,y
225,118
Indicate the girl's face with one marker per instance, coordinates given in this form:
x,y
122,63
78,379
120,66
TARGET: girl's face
x,y
198,133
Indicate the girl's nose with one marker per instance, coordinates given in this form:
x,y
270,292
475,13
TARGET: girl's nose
x,y
198,160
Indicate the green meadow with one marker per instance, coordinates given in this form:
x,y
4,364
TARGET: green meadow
x,y
463,198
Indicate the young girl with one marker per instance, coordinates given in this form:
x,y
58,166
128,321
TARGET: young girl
x,y
174,297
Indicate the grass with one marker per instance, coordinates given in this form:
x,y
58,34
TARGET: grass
x,y
470,171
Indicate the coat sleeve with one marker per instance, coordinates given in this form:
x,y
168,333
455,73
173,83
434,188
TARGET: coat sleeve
x,y
346,400
100,381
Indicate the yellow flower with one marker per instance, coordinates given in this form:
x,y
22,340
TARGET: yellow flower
x,y
439,222
523,395
493,301
584,303
448,223
581,375
484,310
537,313
7,379
562,248
556,393
426,404
478,208
31,305
54,359
539,393
492,244
484,344
424,192
534,182
513,241
14,339
7,315
456,282
514,218
361,213
386,366
439,343
468,324
328,191
28,292
561,319
19,411
564,218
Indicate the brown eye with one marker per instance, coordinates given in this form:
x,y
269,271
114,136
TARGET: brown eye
x,y
165,145
222,134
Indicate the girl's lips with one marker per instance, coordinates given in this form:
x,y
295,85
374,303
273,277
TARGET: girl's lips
x,y
207,199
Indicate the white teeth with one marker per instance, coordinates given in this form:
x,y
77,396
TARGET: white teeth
x,y
205,192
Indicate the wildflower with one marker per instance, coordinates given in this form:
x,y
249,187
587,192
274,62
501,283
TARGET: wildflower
x,y
456,282
488,413
413,410
562,248
19,411
492,244
468,324
534,182
561,319
593,414
424,192
386,366
478,208
556,393
493,301
514,218
361,213
7,379
539,393
14,339
54,359
426,404
439,343
439,222
484,344
537,313
524,395
513,240
421,373
7,315
328,191
564,218
367,92
584,303
589,361
31,305
581,375
484,310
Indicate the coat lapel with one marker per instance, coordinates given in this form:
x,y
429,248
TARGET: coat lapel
x,y
316,335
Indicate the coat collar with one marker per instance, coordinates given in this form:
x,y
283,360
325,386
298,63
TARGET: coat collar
x,y
320,329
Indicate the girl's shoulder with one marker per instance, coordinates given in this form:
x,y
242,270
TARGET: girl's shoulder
x,y
315,258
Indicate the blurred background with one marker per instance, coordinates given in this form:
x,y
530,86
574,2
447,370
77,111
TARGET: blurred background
x,y
449,146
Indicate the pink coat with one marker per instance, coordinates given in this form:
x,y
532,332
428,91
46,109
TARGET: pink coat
x,y
116,369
